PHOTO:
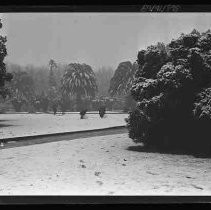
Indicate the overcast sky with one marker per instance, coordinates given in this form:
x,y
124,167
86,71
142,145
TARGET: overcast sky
x,y
98,39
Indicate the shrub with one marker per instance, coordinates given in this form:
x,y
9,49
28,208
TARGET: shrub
x,y
173,91
82,113
102,111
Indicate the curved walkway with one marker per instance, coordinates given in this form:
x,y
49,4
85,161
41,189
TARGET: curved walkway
x,y
40,139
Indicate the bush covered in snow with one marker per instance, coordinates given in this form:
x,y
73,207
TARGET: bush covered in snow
x,y
83,113
173,89
102,111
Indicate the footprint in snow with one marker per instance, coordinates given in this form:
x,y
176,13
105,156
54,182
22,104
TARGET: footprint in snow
x,y
189,177
99,182
149,172
10,158
197,187
97,173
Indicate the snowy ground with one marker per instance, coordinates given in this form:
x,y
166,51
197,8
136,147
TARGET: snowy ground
x,y
15,125
100,166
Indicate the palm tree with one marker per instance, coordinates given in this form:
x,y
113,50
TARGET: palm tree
x,y
79,80
52,65
53,91
123,78
122,81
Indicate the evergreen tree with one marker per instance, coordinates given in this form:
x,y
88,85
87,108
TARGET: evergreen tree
x,y
52,80
172,89
79,80
4,76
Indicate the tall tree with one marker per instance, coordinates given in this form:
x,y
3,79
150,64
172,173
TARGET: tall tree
x,y
4,76
122,80
52,66
53,91
79,80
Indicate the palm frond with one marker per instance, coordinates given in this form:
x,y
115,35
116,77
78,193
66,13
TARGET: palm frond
x,y
79,79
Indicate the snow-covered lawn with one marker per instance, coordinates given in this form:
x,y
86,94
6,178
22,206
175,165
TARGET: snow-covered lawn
x,y
15,125
100,166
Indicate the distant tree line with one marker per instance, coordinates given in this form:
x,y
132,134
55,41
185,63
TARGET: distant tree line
x,y
49,87
70,87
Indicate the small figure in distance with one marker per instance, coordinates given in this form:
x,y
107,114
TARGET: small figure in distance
x,y
82,113
102,111
54,107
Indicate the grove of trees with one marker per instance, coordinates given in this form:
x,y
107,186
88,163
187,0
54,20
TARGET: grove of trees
x,y
47,91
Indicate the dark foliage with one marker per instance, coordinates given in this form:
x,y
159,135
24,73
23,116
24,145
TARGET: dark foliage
x,y
130,103
17,104
4,76
122,79
173,90
52,80
22,91
82,113
102,111
79,80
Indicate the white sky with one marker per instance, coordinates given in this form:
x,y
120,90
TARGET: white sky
x,y
98,39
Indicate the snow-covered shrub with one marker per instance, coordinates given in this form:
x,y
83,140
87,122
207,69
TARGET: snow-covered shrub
x,y
173,89
102,111
82,113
